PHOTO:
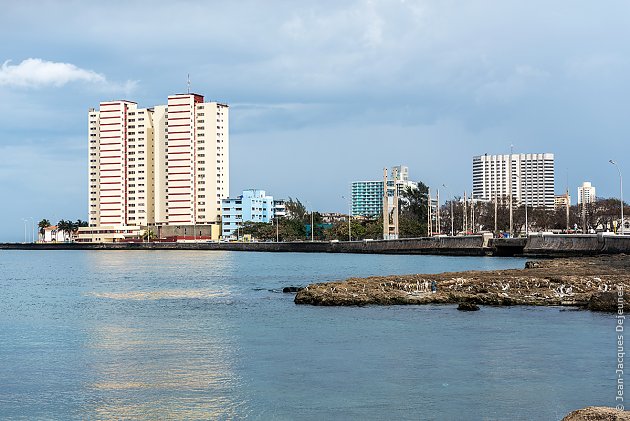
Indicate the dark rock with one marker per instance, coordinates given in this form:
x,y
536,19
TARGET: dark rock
x,y
531,264
292,289
603,301
465,306
598,413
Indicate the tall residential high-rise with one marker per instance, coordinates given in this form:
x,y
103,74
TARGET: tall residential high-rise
x,y
165,166
528,178
367,196
586,193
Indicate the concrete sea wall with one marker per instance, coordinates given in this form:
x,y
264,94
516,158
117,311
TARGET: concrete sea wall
x,y
474,245
543,245
576,245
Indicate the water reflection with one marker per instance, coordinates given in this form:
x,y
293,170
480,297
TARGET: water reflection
x,y
163,346
161,295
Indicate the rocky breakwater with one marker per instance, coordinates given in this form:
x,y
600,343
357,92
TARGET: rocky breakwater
x,y
588,282
598,413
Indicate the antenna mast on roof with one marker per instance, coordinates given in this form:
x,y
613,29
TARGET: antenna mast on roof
x,y
188,83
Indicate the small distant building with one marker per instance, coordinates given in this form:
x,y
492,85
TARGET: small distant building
x,y
279,208
109,234
561,201
332,217
52,234
367,196
253,205
586,193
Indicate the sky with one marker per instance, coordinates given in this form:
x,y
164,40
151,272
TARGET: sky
x,y
321,93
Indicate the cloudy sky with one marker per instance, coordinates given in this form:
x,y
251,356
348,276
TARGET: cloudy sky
x,y
321,93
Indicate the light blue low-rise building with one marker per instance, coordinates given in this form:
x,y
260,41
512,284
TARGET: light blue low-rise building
x,y
253,205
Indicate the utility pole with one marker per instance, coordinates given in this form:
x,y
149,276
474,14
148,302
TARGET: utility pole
x,y
429,233
567,207
620,191
472,215
465,215
496,200
438,229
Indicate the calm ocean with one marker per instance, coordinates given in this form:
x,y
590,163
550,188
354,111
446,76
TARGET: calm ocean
x,y
207,335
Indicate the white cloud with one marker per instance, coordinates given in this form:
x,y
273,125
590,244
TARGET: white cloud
x,y
35,72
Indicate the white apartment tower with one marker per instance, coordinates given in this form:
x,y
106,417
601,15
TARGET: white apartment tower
x,y
167,165
529,178
121,165
586,193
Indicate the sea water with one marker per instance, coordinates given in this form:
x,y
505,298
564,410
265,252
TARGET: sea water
x,y
210,335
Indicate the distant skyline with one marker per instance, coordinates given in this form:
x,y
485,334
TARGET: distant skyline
x,y
321,94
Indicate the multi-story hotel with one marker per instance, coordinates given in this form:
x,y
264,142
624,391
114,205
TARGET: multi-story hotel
x,y
165,167
528,178
367,196
586,193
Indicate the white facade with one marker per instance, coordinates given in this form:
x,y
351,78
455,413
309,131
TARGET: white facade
x,y
586,193
253,205
52,234
528,178
166,165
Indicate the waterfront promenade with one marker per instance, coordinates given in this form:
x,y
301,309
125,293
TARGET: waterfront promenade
x,y
550,245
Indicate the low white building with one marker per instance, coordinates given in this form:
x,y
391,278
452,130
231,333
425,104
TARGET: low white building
x,y
253,205
52,234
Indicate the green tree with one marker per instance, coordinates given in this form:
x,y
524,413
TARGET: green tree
x,y
67,228
413,214
295,209
43,224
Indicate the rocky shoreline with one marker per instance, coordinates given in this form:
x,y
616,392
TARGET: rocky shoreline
x,y
588,282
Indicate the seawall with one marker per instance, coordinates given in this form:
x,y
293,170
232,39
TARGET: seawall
x,y
540,245
575,245
474,245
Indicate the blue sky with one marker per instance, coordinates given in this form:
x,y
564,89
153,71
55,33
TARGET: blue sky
x,y
321,93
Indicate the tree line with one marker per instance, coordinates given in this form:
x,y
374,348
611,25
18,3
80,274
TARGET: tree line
x,y
67,227
467,218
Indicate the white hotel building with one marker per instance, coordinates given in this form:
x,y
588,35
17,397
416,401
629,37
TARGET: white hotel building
x,y
166,166
529,178
586,193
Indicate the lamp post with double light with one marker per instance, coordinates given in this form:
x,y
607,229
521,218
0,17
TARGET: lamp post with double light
x,y
620,192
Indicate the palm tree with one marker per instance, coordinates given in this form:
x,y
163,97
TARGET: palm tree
x,y
43,224
67,227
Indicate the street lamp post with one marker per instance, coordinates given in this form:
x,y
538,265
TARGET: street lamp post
x,y
452,225
25,221
349,218
620,191
32,229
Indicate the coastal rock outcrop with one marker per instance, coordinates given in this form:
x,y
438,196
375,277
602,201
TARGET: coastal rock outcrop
x,y
292,289
598,413
465,306
603,301
589,283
